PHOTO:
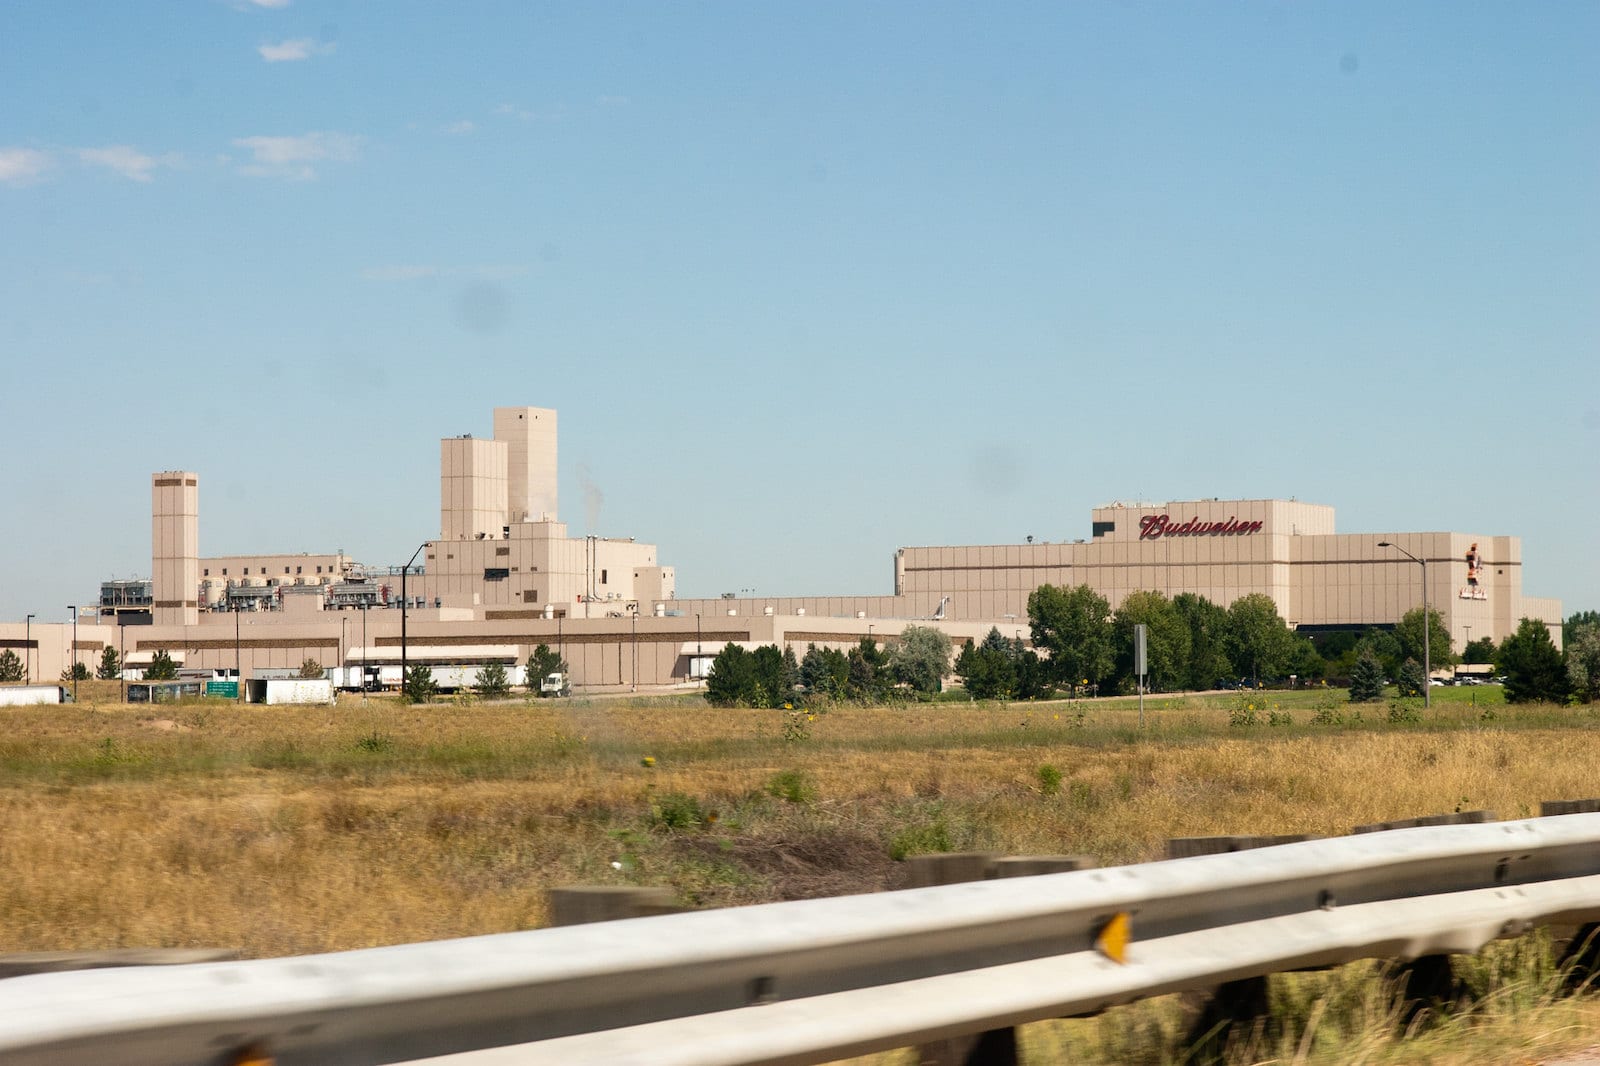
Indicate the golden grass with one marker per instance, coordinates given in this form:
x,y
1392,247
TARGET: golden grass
x,y
293,830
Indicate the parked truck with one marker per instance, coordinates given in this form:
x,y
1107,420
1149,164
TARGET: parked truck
x,y
556,684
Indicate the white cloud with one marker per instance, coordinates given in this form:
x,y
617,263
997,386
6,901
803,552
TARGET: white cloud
x,y
293,157
124,159
293,50
23,166
460,129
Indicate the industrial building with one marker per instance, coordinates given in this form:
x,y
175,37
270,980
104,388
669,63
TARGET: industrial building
x,y
504,575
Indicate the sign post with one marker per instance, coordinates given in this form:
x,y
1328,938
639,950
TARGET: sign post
x,y
1140,662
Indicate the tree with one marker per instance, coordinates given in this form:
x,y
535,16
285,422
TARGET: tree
x,y
1480,651
418,685
161,667
1534,669
75,672
1208,630
1410,680
110,666
1583,662
1366,678
732,677
492,682
1166,645
541,664
311,670
1259,643
988,670
921,659
772,688
1304,662
11,668
867,678
1385,647
824,672
1409,632
1074,626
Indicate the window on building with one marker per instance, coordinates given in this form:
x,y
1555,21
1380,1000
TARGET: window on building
x,y
247,571
1102,528
319,569
602,577
206,572
286,569
495,573
298,569
224,571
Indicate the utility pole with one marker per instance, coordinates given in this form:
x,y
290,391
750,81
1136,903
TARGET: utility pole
x,y
1427,623
74,609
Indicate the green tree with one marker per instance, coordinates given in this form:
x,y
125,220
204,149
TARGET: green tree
x,y
921,659
1385,647
1409,632
1410,680
1577,621
1259,643
11,668
1366,678
1208,635
1166,645
311,670
988,669
1304,662
543,662
419,686
867,677
772,688
1534,669
492,683
731,681
824,672
1583,662
75,672
1480,651
161,667
110,666
1074,626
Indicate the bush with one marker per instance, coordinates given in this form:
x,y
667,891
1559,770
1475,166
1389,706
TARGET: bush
x,y
1366,678
675,811
791,786
310,670
492,682
1411,682
419,686
1049,780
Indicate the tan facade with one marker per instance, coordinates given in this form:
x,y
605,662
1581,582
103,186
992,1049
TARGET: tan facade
x,y
175,546
1220,549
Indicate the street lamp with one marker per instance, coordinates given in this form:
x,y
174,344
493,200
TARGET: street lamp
x,y
699,663
1427,623
238,661
636,649
27,651
74,609
365,603
405,604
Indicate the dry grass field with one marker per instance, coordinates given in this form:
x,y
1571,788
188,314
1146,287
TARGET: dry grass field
x,y
290,830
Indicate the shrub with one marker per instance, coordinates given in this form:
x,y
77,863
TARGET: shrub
x,y
675,811
1366,679
1049,780
791,786
419,686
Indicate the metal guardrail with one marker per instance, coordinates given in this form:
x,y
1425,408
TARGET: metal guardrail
x,y
811,980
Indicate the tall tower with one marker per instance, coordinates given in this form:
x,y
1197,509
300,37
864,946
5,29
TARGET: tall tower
x,y
175,547
530,437
472,488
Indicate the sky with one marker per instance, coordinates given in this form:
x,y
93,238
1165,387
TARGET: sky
x,y
807,282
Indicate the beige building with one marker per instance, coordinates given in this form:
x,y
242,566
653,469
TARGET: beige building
x,y
1222,550
504,575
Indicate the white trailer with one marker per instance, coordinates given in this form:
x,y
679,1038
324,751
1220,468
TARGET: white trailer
x,y
31,695
283,690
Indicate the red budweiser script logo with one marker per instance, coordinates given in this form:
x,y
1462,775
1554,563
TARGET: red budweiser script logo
x,y
1159,525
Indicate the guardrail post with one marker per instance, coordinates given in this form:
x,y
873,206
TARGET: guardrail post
x,y
582,904
996,1047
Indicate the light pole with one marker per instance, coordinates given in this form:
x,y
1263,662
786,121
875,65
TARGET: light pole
x,y
27,651
1427,623
364,605
238,661
74,609
698,651
636,650
405,604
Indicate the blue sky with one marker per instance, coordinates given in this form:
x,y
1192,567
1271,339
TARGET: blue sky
x,y
806,282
